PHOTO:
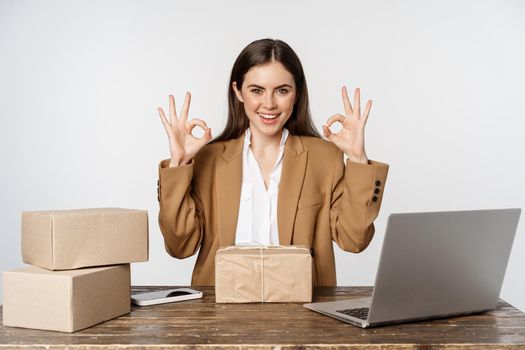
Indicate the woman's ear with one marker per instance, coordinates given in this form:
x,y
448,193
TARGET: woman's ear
x,y
237,92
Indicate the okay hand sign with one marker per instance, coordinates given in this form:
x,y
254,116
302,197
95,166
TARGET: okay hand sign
x,y
351,138
183,145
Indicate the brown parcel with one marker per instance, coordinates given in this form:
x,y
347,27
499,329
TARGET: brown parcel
x,y
263,274
70,239
65,301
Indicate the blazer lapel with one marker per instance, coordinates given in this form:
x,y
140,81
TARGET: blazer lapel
x,y
228,185
292,176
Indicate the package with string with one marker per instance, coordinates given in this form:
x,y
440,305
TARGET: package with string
x,y
248,274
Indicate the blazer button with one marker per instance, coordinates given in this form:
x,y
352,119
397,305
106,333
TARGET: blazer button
x,y
312,252
376,191
158,182
374,199
378,182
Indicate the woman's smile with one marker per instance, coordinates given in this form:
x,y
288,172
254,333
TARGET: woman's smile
x,y
269,119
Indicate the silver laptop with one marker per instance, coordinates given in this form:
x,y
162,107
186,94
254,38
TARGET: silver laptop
x,y
434,265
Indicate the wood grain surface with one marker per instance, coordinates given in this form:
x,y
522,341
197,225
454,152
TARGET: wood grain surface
x,y
204,324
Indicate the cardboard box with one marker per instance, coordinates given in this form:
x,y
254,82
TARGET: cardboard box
x,y
71,239
263,274
65,301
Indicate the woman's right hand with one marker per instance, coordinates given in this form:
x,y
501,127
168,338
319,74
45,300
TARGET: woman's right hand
x,y
183,145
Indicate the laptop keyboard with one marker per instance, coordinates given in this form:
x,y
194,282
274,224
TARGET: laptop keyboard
x,y
361,313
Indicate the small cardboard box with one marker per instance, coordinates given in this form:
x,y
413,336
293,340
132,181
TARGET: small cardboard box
x,y
263,274
71,239
65,301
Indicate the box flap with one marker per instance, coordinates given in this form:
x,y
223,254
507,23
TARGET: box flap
x,y
37,239
67,212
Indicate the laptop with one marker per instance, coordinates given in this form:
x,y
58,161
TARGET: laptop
x,y
434,265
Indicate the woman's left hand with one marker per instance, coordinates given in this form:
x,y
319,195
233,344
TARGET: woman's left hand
x,y
351,138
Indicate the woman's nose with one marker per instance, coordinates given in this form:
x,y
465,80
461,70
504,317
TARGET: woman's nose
x,y
269,101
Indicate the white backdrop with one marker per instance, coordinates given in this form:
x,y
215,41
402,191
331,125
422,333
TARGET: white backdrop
x,y
80,82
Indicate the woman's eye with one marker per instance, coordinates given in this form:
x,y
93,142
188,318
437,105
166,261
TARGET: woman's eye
x,y
256,91
283,91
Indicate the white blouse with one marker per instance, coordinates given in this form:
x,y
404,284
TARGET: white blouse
x,y
257,220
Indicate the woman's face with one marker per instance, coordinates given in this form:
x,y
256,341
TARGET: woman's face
x,y
268,94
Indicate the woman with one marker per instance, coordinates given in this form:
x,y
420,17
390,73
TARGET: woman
x,y
268,178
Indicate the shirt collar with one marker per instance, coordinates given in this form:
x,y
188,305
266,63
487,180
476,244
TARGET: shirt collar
x,y
248,142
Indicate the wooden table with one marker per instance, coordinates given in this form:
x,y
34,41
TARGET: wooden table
x,y
203,324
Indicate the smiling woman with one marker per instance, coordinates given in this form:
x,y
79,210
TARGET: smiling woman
x,y
271,102
267,78
269,178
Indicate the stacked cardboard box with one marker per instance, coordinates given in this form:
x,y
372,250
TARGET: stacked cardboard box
x,y
81,268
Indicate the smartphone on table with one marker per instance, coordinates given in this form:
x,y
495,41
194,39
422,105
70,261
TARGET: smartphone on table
x,y
165,296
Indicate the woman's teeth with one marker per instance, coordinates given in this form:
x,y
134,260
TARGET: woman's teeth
x,y
269,116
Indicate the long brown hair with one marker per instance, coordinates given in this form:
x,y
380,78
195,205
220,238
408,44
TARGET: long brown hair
x,y
260,52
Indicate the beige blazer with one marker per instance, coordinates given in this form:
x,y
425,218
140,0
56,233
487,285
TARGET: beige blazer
x,y
320,200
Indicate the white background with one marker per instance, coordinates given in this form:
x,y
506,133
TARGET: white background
x,y
80,82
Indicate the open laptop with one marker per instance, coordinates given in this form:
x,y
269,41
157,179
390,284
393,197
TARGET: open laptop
x,y
434,265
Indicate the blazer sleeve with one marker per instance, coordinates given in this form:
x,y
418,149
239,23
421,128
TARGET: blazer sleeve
x,y
181,218
357,192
